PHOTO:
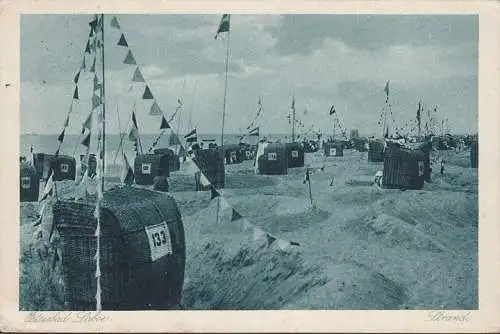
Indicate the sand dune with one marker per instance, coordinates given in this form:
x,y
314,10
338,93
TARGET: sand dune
x,y
360,247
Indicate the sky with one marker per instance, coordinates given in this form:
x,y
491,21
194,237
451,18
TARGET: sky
x,y
320,60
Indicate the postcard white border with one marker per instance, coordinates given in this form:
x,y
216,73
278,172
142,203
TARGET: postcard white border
x,y
253,321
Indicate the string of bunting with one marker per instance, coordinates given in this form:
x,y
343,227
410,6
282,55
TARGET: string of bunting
x,y
156,111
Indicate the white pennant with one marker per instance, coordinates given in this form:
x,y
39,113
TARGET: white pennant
x,y
203,179
258,233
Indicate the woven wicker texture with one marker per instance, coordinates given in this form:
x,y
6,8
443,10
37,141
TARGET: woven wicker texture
x,y
295,161
375,150
147,166
401,167
92,164
474,154
211,163
173,159
64,166
29,186
130,279
338,146
279,166
234,154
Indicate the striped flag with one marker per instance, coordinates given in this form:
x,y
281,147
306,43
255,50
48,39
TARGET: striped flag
x,y
254,132
223,25
191,136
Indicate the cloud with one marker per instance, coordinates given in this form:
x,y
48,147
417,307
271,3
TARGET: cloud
x,y
272,56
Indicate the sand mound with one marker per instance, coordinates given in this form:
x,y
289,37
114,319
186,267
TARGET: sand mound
x,y
393,232
353,286
221,279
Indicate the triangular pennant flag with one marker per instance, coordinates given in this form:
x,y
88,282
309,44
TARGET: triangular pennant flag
x,y
49,185
246,225
270,239
98,27
173,140
193,132
147,94
213,193
66,122
137,77
224,204
204,181
87,47
122,41
223,25
93,23
129,59
96,101
61,136
97,86
282,244
86,141
92,68
114,23
156,111
75,94
235,215
77,77
258,233
88,123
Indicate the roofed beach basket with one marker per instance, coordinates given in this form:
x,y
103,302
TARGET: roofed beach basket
x,y
474,153
211,163
272,159
64,166
29,183
335,149
376,150
142,250
404,168
173,159
147,166
234,154
295,153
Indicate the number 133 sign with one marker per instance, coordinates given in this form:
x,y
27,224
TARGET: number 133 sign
x,y
159,240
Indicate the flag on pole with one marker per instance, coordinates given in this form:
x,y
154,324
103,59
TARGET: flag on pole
x,y
259,107
332,110
61,136
223,25
191,136
155,109
254,132
386,90
306,177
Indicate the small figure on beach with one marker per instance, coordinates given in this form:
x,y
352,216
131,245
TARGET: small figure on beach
x,y
442,167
